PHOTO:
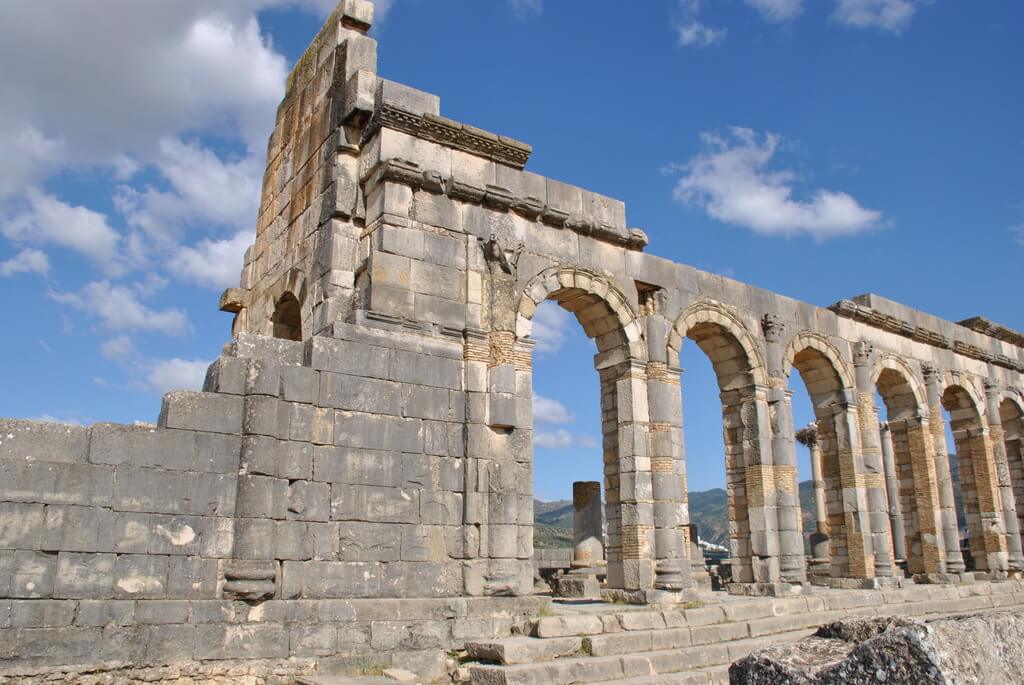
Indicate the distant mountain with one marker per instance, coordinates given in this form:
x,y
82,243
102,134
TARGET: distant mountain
x,y
708,511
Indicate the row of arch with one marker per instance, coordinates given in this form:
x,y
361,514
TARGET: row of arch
x,y
759,444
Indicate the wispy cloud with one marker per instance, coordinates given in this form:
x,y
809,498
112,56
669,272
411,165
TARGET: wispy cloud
x,y
551,325
732,180
888,15
27,261
777,11
547,410
119,308
691,32
527,8
560,439
1018,234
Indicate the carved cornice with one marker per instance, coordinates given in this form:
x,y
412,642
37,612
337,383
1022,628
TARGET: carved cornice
x,y
450,133
980,324
864,314
502,200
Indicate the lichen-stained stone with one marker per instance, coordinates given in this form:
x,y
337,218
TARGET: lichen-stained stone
x,y
983,648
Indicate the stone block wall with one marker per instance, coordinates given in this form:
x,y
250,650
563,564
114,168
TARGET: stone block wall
x,y
308,504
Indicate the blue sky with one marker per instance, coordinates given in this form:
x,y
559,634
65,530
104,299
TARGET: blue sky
x,y
819,149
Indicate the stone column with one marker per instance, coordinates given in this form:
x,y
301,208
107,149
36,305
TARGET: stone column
x,y
1009,506
665,450
587,534
871,462
630,489
892,488
788,527
933,378
808,437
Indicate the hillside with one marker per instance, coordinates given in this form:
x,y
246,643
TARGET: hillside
x,y
708,511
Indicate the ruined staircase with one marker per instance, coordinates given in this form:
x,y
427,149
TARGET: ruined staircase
x,y
691,646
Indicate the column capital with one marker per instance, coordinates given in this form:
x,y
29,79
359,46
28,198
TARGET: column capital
x,y
862,353
932,373
773,327
808,435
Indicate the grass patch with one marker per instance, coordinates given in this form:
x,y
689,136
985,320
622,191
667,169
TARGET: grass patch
x,y
695,604
544,611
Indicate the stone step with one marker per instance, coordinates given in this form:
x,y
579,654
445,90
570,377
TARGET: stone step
x,y
714,675
643,665
677,654
576,625
523,650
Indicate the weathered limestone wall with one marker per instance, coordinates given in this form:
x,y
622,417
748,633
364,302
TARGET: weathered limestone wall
x,y
367,434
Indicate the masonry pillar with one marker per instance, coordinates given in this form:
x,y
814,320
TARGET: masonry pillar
x,y
1015,557
630,493
665,447
933,378
809,438
871,462
788,525
892,489
588,538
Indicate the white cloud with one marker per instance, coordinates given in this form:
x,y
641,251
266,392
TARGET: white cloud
x,y
553,440
547,410
26,261
177,374
693,33
119,349
550,327
118,308
732,182
1018,233
48,418
48,220
589,442
213,263
524,8
777,10
887,15
696,35
159,70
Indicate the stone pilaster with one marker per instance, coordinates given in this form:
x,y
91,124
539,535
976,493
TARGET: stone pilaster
x,y
1015,557
668,473
933,377
788,529
923,493
625,416
892,489
871,463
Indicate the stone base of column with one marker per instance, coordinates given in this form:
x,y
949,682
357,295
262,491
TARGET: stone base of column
x,y
767,589
649,597
944,578
866,583
577,586
996,576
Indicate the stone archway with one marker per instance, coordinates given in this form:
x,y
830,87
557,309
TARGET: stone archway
x,y
975,465
911,481
831,386
1011,416
631,490
741,376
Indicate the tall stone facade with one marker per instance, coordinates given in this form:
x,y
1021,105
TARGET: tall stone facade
x,y
355,477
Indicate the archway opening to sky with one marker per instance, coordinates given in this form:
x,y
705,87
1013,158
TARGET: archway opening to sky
x,y
962,421
1012,418
718,425
824,437
567,443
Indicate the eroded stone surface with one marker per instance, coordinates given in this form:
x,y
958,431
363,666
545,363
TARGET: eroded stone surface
x,y
982,648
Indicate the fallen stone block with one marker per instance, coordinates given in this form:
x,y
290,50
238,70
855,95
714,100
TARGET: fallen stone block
x,y
979,648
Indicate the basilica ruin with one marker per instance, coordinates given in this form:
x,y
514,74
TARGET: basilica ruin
x,y
355,479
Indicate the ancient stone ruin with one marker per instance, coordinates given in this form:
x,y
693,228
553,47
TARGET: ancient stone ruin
x,y
353,485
